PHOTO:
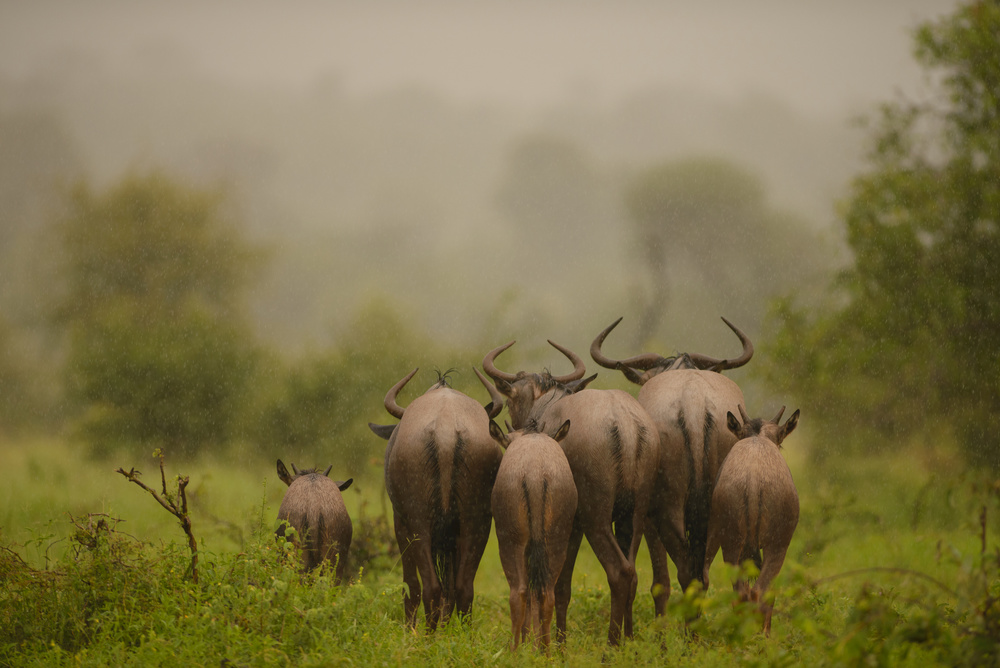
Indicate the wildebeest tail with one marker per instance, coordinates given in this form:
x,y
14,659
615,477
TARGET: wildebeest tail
x,y
623,517
538,568
535,555
444,544
696,512
752,509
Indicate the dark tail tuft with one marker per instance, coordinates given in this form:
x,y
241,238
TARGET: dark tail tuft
x,y
444,544
538,569
696,512
622,515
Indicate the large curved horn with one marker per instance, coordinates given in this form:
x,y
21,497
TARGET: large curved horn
x,y
578,366
390,397
492,371
706,362
496,405
645,361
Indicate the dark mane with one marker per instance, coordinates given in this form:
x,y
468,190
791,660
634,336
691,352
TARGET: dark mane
x,y
753,427
678,361
444,379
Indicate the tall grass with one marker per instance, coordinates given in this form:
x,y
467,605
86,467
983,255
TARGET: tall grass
x,y
94,572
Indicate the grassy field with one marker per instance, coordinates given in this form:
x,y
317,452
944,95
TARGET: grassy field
x,y
79,591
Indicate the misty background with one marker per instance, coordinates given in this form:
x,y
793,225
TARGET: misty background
x,y
470,164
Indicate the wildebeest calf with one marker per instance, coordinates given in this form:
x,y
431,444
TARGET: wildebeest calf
x,y
755,506
534,502
314,507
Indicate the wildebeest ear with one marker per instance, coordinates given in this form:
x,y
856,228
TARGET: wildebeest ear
x,y
497,433
733,424
503,386
382,430
631,374
327,471
345,484
283,473
789,426
577,385
563,430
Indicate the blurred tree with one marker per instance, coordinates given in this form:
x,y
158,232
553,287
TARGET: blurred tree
x,y
706,222
908,341
159,349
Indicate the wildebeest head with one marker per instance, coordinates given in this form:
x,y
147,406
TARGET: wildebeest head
x,y
641,368
289,479
769,429
524,389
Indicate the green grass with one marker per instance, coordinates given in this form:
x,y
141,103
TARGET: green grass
x,y
77,592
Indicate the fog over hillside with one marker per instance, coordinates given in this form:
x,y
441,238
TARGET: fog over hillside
x,y
380,148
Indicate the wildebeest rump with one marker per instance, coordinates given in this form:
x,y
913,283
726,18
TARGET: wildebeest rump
x,y
755,506
440,464
534,501
314,507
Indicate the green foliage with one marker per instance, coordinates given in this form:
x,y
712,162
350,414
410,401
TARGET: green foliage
x,y
159,352
912,330
122,595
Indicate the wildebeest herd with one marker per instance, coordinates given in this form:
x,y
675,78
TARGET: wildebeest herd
x,y
682,464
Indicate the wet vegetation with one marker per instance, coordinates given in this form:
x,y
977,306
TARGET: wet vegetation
x,y
224,308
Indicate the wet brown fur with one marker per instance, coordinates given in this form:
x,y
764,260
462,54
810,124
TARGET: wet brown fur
x,y
534,501
755,506
314,506
613,454
440,464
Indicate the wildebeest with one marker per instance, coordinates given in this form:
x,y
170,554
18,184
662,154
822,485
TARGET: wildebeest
x,y
314,507
755,506
534,502
440,464
688,400
613,454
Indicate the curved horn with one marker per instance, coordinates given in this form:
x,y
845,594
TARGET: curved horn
x,y
390,397
496,405
706,362
294,470
777,418
328,469
645,361
578,366
743,414
492,371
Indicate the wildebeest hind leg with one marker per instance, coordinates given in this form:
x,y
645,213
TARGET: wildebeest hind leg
x,y
471,546
621,576
564,585
408,551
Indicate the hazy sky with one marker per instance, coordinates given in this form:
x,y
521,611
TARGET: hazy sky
x,y
820,56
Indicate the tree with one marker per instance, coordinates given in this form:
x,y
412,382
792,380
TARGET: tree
x,y
706,222
159,350
908,340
